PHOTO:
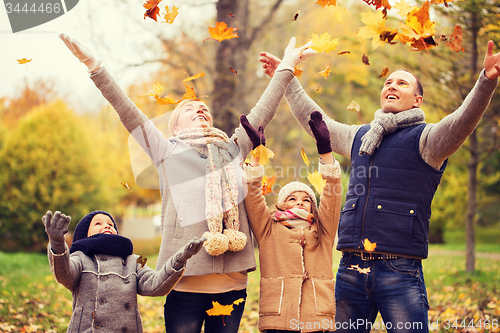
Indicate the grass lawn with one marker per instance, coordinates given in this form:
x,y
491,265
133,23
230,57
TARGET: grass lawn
x,y
31,300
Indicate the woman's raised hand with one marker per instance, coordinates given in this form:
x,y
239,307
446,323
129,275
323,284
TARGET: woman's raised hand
x,y
295,55
82,53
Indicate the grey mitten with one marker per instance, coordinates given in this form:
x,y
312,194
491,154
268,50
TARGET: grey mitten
x,y
178,260
55,227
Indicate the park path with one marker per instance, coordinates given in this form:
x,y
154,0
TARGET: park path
x,y
494,256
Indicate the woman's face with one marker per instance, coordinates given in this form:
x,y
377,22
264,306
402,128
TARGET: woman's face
x,y
193,114
299,199
101,224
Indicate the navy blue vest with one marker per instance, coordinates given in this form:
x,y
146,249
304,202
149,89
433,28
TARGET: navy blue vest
x,y
389,195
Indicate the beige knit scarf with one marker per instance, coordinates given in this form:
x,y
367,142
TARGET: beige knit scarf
x,y
386,123
221,189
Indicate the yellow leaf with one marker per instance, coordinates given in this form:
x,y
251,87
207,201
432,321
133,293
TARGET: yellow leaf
x,y
221,32
165,100
220,310
353,106
317,181
297,71
23,61
157,88
267,185
304,157
325,72
417,28
384,73
126,186
403,8
171,15
194,77
262,154
369,246
189,93
323,43
238,301
375,29
324,3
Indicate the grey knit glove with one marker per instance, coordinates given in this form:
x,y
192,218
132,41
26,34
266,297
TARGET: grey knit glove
x,y
178,260
55,227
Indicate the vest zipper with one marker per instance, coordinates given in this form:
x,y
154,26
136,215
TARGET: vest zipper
x,y
366,203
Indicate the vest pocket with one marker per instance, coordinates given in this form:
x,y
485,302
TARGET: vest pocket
x,y
271,296
348,213
324,297
394,219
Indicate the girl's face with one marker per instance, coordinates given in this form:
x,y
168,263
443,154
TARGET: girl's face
x,y
299,199
193,114
101,224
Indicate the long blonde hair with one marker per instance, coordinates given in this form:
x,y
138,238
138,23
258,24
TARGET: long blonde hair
x,y
174,117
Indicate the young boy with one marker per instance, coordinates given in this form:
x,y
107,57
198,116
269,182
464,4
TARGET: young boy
x,y
103,274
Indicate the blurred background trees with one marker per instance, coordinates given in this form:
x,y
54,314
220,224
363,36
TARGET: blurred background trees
x,y
55,158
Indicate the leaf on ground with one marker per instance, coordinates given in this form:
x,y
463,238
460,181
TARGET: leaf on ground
x,y
171,15
221,32
262,154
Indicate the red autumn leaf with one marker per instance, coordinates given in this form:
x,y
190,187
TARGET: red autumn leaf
x,y
221,32
152,9
379,3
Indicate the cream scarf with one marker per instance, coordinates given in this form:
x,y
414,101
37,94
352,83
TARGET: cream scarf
x,y
387,123
221,189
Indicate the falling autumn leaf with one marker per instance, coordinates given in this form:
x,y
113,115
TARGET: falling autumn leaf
x,y
455,43
171,15
324,3
384,73
365,60
194,77
221,32
152,9
262,154
403,8
323,43
304,157
267,185
375,29
360,270
379,3
166,100
353,106
325,72
230,14
220,310
126,186
142,261
190,94
297,71
296,15
418,28
317,181
369,246
238,301
232,70
344,52
23,61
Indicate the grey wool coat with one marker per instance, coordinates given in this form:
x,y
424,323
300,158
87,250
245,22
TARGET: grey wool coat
x,y
105,289
182,176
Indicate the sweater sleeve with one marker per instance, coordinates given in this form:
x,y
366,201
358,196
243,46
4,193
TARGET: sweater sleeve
x,y
341,135
65,268
147,135
265,109
329,206
439,141
157,283
258,213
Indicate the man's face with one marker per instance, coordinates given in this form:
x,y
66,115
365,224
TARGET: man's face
x,y
400,93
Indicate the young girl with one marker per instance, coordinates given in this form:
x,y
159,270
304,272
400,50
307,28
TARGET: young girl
x,y
103,274
295,244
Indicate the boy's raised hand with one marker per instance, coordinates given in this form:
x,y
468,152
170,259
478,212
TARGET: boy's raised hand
x,y
55,227
82,53
491,62
256,136
179,259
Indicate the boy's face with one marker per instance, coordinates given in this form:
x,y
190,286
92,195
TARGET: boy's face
x,y
299,199
399,93
101,224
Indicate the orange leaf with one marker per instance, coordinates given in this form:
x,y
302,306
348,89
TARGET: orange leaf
x,y
379,3
455,43
267,185
165,100
262,154
238,301
325,72
369,246
384,73
152,9
126,186
297,71
221,32
232,70
220,310
23,61
142,261
190,94
324,3
194,77
171,15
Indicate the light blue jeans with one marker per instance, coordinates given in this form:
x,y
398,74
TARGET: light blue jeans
x,y
395,288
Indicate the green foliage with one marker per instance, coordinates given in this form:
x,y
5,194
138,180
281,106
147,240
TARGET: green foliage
x,y
46,163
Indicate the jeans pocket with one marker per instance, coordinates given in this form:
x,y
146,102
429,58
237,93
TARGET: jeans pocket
x,y
344,260
271,296
405,266
324,297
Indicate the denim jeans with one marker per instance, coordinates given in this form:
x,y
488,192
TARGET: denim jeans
x,y
186,312
395,287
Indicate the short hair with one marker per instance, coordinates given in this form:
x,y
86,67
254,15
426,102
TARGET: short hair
x,y
420,88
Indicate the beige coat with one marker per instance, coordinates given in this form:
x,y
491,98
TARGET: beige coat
x,y
297,284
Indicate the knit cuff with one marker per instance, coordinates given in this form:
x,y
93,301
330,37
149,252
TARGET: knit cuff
x,y
253,173
329,170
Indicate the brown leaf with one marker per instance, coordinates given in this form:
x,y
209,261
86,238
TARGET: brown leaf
x,y
455,43
296,15
384,73
344,52
365,60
